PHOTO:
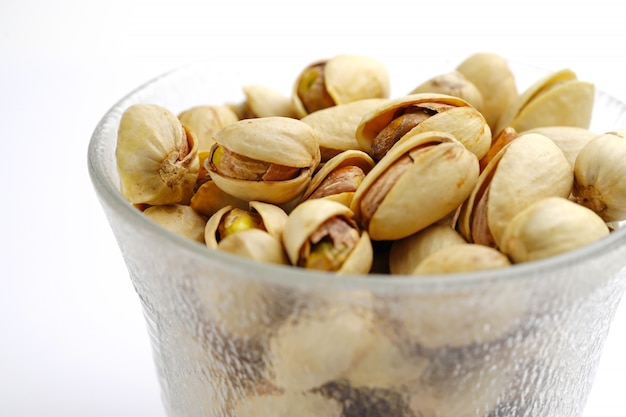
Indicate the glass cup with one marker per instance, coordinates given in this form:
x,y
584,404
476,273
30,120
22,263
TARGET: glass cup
x,y
232,337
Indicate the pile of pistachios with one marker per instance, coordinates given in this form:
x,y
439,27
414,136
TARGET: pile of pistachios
x,y
462,173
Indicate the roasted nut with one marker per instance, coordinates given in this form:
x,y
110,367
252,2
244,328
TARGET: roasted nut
x,y
255,244
382,127
570,139
321,234
204,121
453,84
180,219
268,159
342,79
263,101
549,227
156,156
599,173
464,257
421,180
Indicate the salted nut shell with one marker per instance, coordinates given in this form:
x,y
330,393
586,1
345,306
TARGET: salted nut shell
x,y
492,76
180,219
570,139
407,253
209,198
600,173
549,227
422,179
156,156
342,79
528,169
322,234
268,159
385,125
263,101
339,178
453,84
231,220
557,99
464,257
336,125
255,244
205,121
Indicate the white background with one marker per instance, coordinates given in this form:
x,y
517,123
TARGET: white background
x,y
72,336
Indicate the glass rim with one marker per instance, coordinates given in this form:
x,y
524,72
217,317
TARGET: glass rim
x,y
289,275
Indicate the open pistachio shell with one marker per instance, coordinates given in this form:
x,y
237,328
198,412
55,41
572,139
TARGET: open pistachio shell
x,y
549,227
600,172
180,219
205,121
453,84
339,178
209,198
263,101
156,156
491,75
421,180
442,113
558,99
464,257
260,144
309,225
570,139
255,244
342,79
336,125
407,253
528,169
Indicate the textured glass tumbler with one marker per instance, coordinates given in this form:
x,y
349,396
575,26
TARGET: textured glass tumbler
x,y
237,338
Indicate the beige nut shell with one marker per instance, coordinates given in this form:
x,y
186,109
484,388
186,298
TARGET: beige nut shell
x,y
455,84
459,258
434,186
570,139
205,120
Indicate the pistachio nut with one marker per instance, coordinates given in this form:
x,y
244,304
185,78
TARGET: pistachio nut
x,y
382,127
336,125
339,178
255,244
505,136
570,139
269,159
528,169
599,173
209,198
263,101
549,227
453,84
321,234
338,80
156,156
231,220
557,99
408,252
205,121
491,75
180,219
464,257
421,180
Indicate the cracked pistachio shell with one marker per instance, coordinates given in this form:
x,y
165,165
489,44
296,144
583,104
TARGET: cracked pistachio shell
x,y
270,219
276,140
344,78
549,227
462,121
329,183
309,217
156,156
421,180
255,244
205,121
558,99
600,173
336,125
491,75
407,253
570,139
209,198
263,101
528,169
180,219
453,84
459,258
